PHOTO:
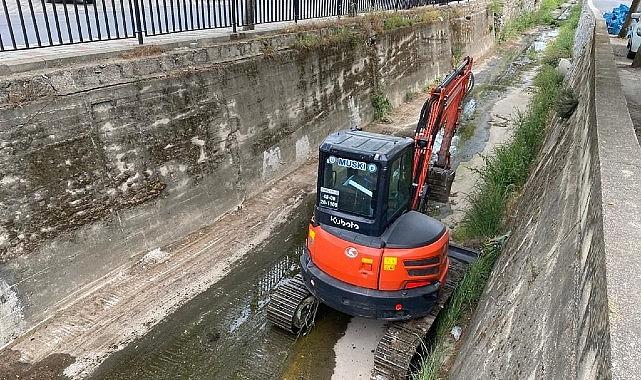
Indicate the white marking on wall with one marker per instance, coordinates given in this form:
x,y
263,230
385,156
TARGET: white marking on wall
x,y
11,316
4,236
8,180
164,121
354,113
271,161
302,148
201,144
155,256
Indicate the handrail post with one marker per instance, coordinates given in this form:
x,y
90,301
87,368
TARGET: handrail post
x,y
250,7
234,22
138,23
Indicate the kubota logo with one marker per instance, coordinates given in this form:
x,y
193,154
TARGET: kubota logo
x,y
351,252
343,223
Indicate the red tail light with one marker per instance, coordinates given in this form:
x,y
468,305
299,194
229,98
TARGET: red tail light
x,y
416,284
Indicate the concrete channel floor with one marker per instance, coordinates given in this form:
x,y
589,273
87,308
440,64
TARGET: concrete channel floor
x,y
109,314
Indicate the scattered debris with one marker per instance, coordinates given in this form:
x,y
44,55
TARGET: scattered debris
x,y
155,256
564,66
456,332
566,103
614,20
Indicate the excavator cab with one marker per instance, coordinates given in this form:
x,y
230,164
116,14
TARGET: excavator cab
x,y
367,253
364,181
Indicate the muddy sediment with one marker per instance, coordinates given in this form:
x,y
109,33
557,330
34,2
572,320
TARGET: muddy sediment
x,y
222,333
50,368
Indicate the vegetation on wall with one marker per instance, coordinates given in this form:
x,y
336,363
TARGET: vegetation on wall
x,y
542,16
381,105
334,37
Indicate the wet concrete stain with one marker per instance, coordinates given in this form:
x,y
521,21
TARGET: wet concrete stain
x,y
313,357
49,368
223,333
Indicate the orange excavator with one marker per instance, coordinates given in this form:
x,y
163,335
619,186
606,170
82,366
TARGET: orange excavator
x,y
370,251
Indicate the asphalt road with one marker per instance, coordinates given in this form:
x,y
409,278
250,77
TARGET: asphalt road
x,y
607,5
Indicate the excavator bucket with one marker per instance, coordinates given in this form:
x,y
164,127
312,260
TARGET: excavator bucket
x,y
440,184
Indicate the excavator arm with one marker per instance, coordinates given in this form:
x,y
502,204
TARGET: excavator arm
x,y
440,111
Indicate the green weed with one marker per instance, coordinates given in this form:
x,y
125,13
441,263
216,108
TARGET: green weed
x,y
397,21
381,105
410,95
542,16
496,7
466,129
342,36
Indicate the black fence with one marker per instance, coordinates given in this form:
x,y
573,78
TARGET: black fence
x,y
27,24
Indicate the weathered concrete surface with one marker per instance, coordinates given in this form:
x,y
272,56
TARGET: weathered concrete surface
x,y
562,301
135,296
102,163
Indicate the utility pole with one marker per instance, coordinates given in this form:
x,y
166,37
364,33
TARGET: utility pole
x,y
624,28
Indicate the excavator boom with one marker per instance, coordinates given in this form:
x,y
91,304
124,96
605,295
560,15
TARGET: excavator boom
x,y
441,111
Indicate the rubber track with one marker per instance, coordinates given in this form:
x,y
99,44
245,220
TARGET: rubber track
x,y
284,301
395,350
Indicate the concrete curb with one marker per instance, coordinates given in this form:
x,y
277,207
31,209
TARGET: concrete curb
x,y
620,172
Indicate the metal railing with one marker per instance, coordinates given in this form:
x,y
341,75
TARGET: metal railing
x,y
27,24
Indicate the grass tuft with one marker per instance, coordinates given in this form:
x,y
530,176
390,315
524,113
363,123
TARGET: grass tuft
x,y
397,21
332,38
542,16
382,106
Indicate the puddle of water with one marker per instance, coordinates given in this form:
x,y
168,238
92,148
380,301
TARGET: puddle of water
x,y
223,332
544,39
468,109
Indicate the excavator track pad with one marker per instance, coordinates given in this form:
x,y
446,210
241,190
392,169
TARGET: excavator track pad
x,y
292,307
397,350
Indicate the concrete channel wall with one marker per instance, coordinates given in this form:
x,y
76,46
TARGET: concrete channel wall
x,y
563,299
102,161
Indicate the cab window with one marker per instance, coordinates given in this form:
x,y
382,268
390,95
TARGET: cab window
x,y
349,186
400,184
